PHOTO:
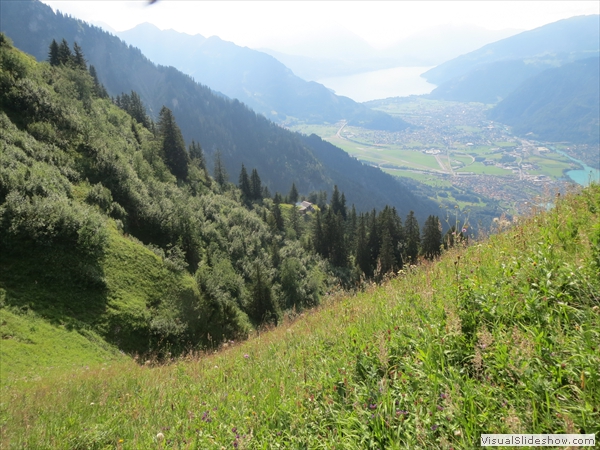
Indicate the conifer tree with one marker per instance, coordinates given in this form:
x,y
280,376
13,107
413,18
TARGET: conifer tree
x,y
295,220
196,154
173,145
373,242
432,237
244,185
265,192
337,205
78,58
53,54
387,261
351,228
64,53
338,254
276,211
363,254
318,237
293,195
99,88
137,110
256,190
220,174
413,237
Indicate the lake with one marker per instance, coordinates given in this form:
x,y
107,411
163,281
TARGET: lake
x,y
379,84
581,176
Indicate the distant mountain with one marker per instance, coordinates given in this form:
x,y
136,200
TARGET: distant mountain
x,y
437,45
217,123
427,48
562,41
561,104
253,77
489,83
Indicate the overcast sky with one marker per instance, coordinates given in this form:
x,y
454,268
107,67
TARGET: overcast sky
x,y
262,24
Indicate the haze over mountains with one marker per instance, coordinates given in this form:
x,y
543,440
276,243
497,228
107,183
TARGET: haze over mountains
x,y
491,72
344,53
253,77
560,104
242,136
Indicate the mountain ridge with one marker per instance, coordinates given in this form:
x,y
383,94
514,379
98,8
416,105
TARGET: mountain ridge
x,y
255,78
560,104
219,124
565,40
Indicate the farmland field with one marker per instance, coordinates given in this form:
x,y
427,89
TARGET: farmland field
x,y
453,144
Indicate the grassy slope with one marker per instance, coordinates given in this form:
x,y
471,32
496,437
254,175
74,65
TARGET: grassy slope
x,y
44,328
500,337
32,346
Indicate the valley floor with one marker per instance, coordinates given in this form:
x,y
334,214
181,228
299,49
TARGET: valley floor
x,y
456,148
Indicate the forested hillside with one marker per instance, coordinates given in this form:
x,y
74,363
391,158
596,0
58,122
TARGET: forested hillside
x,y
217,123
561,104
111,225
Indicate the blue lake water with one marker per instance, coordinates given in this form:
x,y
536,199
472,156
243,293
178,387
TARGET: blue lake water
x,y
582,176
379,84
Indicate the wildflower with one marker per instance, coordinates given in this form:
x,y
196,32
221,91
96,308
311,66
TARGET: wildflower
x,y
443,396
434,427
120,441
372,406
401,411
246,356
440,408
160,437
464,230
234,429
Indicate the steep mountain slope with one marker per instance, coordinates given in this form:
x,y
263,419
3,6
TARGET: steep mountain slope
x,y
491,73
242,136
561,104
489,83
499,337
253,77
559,42
100,234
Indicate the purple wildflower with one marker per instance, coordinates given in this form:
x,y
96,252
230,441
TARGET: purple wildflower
x,y
440,408
246,356
434,427
372,406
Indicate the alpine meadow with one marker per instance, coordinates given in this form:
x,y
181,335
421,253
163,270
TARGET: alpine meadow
x,y
192,275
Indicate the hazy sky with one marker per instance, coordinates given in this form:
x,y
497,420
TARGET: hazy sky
x,y
263,24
